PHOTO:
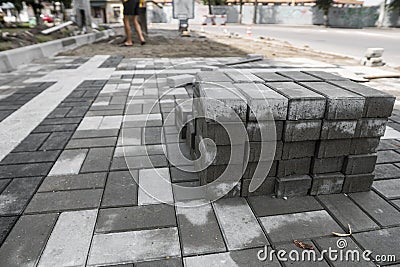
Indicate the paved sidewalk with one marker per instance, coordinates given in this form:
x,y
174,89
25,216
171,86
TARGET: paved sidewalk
x,y
68,128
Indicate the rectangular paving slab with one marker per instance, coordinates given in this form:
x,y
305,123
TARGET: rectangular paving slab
x,y
27,239
134,246
388,188
135,218
69,242
376,207
266,205
65,200
198,228
299,225
346,212
154,186
72,182
381,242
121,189
239,226
69,162
17,194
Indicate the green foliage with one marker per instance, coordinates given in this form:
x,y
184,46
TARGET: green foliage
x,y
324,5
395,5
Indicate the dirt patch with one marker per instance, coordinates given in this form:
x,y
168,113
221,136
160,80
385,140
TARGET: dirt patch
x,y
168,43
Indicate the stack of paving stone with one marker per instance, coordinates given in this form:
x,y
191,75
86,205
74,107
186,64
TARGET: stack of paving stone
x,y
327,130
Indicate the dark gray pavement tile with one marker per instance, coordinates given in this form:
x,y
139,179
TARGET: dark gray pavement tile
x,y
178,175
135,218
170,262
92,142
25,170
388,188
381,242
199,230
378,208
384,171
332,242
304,225
55,128
3,184
17,194
31,157
72,182
98,160
64,200
26,241
32,142
56,140
266,205
121,189
346,212
6,223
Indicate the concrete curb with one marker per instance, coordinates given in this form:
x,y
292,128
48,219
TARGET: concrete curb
x,y
11,59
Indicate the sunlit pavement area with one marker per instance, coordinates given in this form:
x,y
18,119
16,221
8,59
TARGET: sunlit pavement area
x,y
67,197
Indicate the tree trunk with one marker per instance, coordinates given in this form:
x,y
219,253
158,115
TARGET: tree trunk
x,y
255,12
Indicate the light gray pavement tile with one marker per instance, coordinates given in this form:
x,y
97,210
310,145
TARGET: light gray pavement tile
x,y
311,260
299,226
142,120
72,182
388,188
381,242
26,241
121,189
331,242
130,137
91,142
69,242
239,226
388,156
65,200
170,262
17,194
198,228
69,162
125,247
346,212
98,160
266,205
90,123
135,218
239,258
95,133
378,208
111,122
154,186
384,171
135,151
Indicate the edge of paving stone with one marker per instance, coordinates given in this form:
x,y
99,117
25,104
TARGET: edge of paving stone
x,y
12,59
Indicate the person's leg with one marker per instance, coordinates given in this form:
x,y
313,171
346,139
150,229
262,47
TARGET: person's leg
x,y
138,28
128,31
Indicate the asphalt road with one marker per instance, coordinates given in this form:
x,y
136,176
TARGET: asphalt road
x,y
349,42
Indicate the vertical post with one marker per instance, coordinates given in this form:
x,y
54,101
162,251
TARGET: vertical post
x,y
382,13
255,12
240,11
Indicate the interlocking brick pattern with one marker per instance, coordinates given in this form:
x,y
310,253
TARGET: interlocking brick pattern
x,y
68,199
